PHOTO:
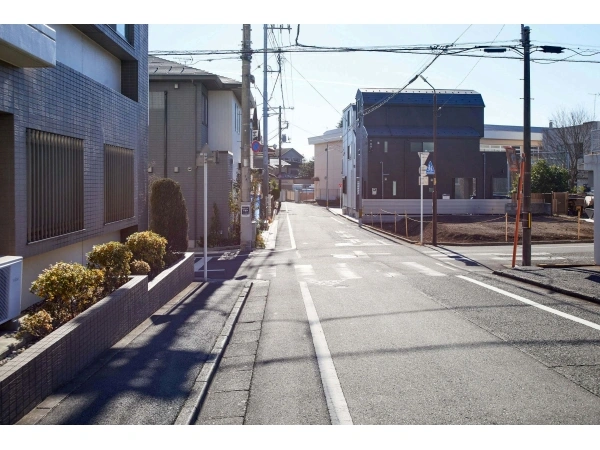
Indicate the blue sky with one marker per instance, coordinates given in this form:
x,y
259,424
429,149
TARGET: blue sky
x,y
318,86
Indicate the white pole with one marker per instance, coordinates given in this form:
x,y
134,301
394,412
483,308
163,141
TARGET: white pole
x,y
327,177
205,214
421,183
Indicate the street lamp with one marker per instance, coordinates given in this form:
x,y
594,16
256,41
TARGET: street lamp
x,y
435,166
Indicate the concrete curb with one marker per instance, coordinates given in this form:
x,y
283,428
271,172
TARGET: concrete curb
x,y
192,405
571,293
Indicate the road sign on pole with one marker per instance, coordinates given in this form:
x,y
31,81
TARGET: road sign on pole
x,y
429,169
423,170
423,156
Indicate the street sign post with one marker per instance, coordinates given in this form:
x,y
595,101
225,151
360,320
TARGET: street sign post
x,y
423,156
256,146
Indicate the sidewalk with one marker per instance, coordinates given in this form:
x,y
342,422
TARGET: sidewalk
x,y
582,281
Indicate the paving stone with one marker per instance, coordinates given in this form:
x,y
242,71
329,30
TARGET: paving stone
x,y
245,362
224,405
231,380
241,349
245,336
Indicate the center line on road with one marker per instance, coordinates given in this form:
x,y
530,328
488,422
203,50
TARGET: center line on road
x,y
338,221
336,402
532,303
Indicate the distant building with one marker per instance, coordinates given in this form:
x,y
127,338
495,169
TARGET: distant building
x,y
385,131
189,109
495,140
73,141
328,164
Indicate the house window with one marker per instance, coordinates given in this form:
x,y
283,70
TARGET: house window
x,y
204,109
394,188
421,146
464,188
54,185
118,183
125,31
349,153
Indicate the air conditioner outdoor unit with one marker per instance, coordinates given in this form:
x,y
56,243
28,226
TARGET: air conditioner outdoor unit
x,y
11,270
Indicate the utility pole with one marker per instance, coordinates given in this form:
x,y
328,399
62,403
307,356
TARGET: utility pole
x,y
265,180
279,148
526,149
246,238
435,166
327,176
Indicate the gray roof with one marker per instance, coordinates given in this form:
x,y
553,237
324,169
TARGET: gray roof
x,y
159,68
517,128
422,97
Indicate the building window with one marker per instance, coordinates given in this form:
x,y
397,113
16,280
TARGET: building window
x,y
464,188
125,31
385,146
54,185
118,183
204,109
349,153
421,146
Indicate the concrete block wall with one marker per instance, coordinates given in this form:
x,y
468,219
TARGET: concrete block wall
x,y
53,361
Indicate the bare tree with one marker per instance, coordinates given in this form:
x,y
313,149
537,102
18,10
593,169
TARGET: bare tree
x,y
568,139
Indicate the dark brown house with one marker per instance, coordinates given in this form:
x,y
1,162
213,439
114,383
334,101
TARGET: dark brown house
x,y
392,129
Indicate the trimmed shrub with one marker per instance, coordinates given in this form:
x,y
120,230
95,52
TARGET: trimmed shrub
x,y
113,258
168,214
68,289
149,247
139,267
37,325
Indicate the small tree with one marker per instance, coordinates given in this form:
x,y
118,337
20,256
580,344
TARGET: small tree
x,y
568,140
307,169
215,231
149,247
113,258
234,209
548,178
168,214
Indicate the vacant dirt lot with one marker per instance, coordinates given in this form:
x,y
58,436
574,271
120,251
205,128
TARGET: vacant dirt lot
x,y
466,229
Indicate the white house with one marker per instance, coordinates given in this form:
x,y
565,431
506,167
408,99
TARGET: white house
x,y
329,155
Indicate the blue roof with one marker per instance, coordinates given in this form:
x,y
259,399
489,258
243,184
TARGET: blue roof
x,y
426,132
423,97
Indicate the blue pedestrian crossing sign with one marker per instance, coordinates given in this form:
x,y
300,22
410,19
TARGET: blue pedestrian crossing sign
x,y
430,170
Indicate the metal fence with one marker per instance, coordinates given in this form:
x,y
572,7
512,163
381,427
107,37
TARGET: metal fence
x,y
54,185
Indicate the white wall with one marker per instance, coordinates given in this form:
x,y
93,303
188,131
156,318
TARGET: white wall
x,y
349,164
334,161
33,266
222,133
76,50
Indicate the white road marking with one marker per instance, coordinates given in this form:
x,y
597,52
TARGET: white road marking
x,y
338,221
533,258
360,254
345,272
446,266
532,303
266,273
336,402
379,254
425,270
290,228
392,275
306,272
344,256
200,263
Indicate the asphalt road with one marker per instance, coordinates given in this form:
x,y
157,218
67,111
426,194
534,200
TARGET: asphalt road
x,y
360,330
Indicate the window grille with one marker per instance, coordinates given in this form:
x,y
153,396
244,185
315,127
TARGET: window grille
x,y
54,185
118,183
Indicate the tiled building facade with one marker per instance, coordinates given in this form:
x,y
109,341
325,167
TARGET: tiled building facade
x,y
73,146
